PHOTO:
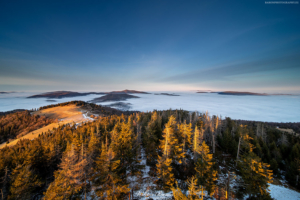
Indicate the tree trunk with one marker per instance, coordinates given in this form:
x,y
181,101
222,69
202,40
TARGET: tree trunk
x,y
213,144
237,156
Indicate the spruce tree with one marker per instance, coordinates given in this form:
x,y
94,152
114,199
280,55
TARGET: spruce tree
x,y
185,137
164,171
125,148
69,178
205,173
93,145
185,131
255,173
171,151
106,177
151,137
170,146
23,183
194,192
197,140
4,181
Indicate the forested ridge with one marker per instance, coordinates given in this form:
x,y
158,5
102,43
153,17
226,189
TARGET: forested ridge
x,y
19,124
12,111
183,152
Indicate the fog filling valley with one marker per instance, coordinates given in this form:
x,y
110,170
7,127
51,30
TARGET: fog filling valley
x,y
277,108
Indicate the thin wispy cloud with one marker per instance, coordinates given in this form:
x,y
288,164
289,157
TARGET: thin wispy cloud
x,y
158,44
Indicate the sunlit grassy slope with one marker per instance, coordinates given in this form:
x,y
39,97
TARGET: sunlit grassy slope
x,y
60,112
65,115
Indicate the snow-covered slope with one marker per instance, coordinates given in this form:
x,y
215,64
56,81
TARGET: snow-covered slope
x,y
281,193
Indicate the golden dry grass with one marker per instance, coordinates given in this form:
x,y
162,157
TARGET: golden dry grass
x,y
60,112
65,115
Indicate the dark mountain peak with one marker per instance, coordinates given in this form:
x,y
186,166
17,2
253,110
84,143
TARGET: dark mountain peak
x,y
114,97
62,94
242,93
128,92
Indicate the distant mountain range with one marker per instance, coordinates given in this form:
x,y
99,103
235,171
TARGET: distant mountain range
x,y
6,92
121,95
128,92
62,94
113,97
242,93
65,94
167,94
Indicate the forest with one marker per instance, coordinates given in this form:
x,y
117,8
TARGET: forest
x,y
190,155
20,123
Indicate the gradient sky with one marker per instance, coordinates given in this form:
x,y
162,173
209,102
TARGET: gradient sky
x,y
149,45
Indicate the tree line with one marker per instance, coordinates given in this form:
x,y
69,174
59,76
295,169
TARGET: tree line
x,y
103,110
183,150
20,123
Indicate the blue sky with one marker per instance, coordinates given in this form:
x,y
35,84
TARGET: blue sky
x,y
149,45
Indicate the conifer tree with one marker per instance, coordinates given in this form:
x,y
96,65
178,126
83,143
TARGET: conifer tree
x,y
93,145
171,151
205,173
255,173
186,135
4,181
35,159
69,179
170,145
106,179
194,192
164,171
227,142
197,140
125,148
76,143
52,156
151,137
23,183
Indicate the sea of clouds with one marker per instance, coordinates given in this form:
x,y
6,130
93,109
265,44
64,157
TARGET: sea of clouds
x,y
284,108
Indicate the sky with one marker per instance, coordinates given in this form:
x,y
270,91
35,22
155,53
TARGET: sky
x,y
165,45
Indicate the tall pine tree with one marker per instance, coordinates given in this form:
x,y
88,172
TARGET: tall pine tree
x,y
205,173
106,179
23,183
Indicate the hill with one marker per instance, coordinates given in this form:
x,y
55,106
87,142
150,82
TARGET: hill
x,y
62,94
90,107
65,94
56,116
114,97
202,92
167,94
241,93
48,118
128,92
60,112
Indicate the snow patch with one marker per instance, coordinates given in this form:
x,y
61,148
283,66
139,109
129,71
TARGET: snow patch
x,y
281,193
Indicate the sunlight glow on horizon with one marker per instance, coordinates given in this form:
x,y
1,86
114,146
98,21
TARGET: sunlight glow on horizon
x,y
150,46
